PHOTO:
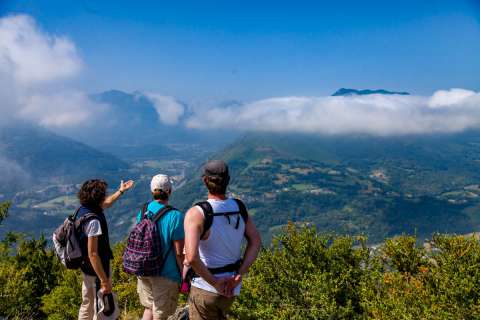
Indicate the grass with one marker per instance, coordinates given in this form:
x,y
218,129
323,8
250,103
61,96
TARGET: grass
x,y
63,201
25,204
303,186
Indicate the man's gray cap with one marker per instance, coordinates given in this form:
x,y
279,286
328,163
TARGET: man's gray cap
x,y
216,168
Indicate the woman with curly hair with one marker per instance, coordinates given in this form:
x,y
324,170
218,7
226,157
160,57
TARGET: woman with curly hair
x,y
94,240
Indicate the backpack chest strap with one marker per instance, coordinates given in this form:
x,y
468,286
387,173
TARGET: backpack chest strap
x,y
228,215
216,214
209,214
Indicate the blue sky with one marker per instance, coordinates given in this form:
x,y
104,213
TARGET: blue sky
x,y
255,49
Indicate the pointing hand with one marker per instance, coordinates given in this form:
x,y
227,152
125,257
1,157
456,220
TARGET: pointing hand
x,y
124,186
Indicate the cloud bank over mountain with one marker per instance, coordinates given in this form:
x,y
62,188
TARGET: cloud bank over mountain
x,y
36,69
168,108
13,175
446,111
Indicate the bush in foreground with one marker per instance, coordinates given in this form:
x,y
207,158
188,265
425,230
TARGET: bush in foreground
x,y
303,275
310,276
306,276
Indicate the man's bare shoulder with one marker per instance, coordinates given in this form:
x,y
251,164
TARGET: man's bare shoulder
x,y
194,214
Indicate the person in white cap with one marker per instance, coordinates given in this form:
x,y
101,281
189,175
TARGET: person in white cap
x,y
159,294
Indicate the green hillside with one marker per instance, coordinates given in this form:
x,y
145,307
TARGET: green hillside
x,y
355,185
41,173
46,157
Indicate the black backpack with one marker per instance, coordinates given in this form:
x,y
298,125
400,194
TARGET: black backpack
x,y
66,240
209,214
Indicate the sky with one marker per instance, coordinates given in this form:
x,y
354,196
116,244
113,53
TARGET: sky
x,y
251,50
280,65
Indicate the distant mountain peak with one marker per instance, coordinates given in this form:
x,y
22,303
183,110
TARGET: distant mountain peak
x,y
229,103
355,92
113,93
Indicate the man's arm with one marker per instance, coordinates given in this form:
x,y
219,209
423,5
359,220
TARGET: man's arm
x,y
105,282
110,200
179,256
254,243
193,230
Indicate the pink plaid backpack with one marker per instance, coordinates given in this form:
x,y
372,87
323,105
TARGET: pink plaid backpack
x,y
144,255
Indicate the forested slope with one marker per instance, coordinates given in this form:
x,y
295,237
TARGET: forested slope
x,y
302,275
380,187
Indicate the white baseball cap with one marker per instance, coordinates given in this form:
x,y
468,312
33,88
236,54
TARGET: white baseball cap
x,y
161,182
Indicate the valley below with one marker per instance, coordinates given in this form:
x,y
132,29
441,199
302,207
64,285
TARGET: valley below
x,y
38,210
361,195
377,198
355,184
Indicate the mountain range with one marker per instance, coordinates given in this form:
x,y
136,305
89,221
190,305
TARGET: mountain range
x,y
34,156
353,92
139,119
355,184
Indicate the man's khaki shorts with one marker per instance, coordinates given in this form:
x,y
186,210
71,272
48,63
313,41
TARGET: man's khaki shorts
x,y
205,305
158,294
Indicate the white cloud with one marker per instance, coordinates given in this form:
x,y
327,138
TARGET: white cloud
x,y
33,56
68,108
12,174
33,68
445,111
452,97
168,108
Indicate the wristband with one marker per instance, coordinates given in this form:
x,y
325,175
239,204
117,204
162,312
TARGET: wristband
x,y
121,192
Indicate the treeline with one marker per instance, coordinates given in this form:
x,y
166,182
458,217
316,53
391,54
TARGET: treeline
x,y
302,275
306,275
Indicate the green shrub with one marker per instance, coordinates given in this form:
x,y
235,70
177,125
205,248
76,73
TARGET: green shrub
x,y
309,276
17,299
63,302
27,272
305,276
395,289
125,285
4,206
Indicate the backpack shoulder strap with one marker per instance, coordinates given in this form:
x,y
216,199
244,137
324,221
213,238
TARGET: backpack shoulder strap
x,y
243,210
76,213
83,219
208,213
144,209
162,212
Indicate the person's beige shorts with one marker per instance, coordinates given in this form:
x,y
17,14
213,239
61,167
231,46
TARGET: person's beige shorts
x,y
158,294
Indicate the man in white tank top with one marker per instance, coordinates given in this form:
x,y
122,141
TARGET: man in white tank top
x,y
214,233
